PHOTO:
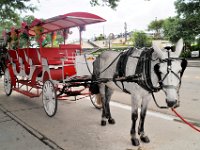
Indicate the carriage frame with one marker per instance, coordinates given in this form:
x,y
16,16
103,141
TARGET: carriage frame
x,y
54,73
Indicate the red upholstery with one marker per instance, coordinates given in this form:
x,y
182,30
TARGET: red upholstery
x,y
33,54
13,55
70,50
14,58
21,54
54,56
70,46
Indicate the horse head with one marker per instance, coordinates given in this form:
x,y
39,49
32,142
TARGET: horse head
x,y
169,71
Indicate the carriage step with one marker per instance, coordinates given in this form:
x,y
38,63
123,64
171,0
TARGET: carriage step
x,y
27,93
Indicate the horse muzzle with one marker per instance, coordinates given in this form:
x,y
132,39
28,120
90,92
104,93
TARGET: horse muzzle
x,y
172,104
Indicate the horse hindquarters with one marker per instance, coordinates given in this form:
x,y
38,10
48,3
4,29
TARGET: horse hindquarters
x,y
106,94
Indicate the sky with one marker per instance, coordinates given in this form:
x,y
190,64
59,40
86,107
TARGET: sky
x,y
136,13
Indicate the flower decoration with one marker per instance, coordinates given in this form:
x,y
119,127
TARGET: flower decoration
x,y
13,38
54,35
13,34
24,30
38,29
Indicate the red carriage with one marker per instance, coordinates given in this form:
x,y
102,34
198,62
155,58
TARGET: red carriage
x,y
53,72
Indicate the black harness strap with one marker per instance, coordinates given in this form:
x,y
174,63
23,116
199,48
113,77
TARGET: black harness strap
x,y
143,70
122,62
121,68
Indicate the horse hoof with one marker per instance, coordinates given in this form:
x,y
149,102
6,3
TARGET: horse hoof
x,y
103,123
144,139
111,121
135,142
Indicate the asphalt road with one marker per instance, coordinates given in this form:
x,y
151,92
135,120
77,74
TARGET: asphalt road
x,y
76,126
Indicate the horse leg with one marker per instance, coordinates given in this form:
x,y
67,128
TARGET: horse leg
x,y
144,138
134,117
106,95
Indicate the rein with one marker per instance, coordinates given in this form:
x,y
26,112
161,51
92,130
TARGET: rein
x,y
185,121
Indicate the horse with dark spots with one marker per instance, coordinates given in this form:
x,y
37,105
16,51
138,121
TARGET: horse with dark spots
x,y
145,71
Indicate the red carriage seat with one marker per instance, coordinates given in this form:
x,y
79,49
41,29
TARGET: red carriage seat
x,y
22,55
34,56
14,59
54,57
70,50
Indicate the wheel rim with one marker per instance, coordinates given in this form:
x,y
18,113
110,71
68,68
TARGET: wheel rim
x,y
7,83
96,100
49,98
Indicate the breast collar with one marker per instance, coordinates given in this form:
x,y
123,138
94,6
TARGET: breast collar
x,y
143,71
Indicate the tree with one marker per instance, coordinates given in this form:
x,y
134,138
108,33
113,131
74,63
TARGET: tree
x,y
9,12
110,3
28,19
189,14
140,39
156,26
171,29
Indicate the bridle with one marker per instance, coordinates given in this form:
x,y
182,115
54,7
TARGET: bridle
x,y
169,71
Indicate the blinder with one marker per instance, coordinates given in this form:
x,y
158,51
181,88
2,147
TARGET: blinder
x,y
158,73
169,62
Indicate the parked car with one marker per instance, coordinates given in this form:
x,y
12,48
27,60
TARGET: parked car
x,y
195,54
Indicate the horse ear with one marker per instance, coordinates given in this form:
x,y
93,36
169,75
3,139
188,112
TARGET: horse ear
x,y
179,47
157,49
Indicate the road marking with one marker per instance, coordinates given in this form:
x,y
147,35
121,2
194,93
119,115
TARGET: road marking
x,y
150,113
194,77
197,77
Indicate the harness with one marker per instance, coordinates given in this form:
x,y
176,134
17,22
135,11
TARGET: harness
x,y
143,70
121,64
121,68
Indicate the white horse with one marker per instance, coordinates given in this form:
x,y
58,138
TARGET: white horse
x,y
142,72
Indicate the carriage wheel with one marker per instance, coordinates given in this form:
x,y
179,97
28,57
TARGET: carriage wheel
x,y
49,98
7,83
96,100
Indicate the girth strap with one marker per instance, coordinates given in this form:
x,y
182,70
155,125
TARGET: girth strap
x,y
122,62
121,68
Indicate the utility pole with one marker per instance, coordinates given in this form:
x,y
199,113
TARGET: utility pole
x,y
125,31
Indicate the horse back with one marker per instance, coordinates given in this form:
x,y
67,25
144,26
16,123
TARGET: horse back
x,y
105,64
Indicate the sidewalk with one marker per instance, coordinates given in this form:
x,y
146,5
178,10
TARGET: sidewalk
x,y
14,136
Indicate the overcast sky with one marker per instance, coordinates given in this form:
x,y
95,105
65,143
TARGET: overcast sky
x,y
136,13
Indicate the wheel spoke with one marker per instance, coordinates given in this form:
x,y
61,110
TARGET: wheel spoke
x,y
7,83
49,98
